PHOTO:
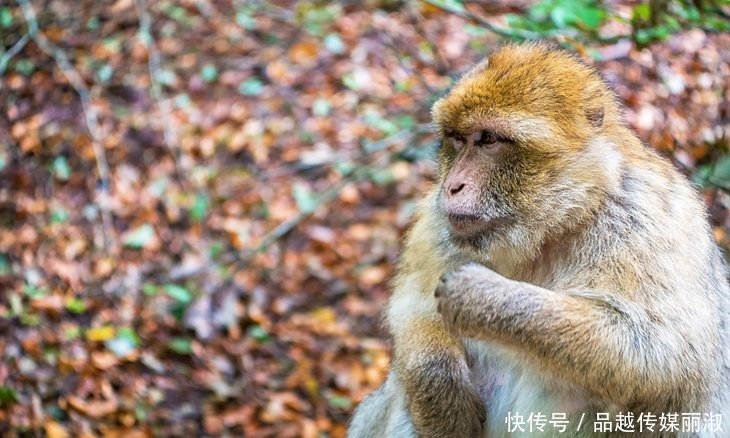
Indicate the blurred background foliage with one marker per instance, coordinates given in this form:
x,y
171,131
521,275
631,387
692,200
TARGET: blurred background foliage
x,y
202,201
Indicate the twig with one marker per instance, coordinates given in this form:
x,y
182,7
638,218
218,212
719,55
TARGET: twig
x,y
465,13
90,113
17,47
236,261
154,67
285,227
372,148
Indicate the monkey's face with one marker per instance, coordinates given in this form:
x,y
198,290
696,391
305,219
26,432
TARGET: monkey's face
x,y
492,186
514,132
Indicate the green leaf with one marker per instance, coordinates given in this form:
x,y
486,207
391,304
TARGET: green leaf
x,y
24,67
159,186
402,86
245,20
251,87
112,44
405,122
183,101
30,319
179,293
200,207
334,44
345,167
642,12
475,31
209,73
4,265
140,412
177,13
450,5
350,82
124,343
180,345
305,199
138,237
72,332
380,177
61,169
6,17
59,215
76,305
129,334
150,289
562,16
165,77
339,402
590,17
32,291
316,17
216,248
426,51
258,333
721,172
321,107
16,304
385,125
8,396
92,23
104,73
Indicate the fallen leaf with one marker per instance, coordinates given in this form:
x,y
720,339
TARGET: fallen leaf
x,y
100,334
55,430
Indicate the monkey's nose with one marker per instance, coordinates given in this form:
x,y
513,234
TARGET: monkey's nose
x,y
456,188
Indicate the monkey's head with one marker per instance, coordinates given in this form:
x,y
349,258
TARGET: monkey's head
x,y
523,154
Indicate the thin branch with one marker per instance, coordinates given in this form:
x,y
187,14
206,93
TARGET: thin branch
x,y
285,227
155,68
92,117
467,14
17,47
236,261
372,148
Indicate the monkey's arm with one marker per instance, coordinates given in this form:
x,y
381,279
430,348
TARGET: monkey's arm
x,y
429,360
601,342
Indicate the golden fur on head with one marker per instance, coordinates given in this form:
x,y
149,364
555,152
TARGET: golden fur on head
x,y
531,85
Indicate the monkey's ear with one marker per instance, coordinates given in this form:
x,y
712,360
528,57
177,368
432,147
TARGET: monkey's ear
x,y
595,116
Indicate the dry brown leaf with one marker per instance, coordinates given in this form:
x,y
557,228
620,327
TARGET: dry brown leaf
x,y
93,408
55,430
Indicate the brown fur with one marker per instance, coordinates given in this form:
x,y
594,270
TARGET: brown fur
x,y
593,286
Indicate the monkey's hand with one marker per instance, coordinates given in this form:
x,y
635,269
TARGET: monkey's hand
x,y
469,298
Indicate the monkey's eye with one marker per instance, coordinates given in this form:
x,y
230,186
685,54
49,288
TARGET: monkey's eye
x,y
486,138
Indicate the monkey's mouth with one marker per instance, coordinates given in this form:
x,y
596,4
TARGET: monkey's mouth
x,y
471,225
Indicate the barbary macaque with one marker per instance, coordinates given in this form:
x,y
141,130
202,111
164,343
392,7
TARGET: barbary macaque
x,y
559,265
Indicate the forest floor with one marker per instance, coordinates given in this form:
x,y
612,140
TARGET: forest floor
x,y
208,253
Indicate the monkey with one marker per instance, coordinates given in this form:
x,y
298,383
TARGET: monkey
x,y
558,266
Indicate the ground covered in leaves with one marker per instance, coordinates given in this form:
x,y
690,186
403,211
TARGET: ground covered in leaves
x,y
201,203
